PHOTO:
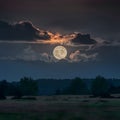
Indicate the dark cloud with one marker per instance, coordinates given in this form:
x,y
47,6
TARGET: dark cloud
x,y
23,30
83,39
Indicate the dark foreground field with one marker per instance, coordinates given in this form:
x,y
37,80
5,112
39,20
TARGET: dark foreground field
x,y
60,108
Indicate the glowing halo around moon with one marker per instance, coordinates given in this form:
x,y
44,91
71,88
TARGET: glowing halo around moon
x,y
59,52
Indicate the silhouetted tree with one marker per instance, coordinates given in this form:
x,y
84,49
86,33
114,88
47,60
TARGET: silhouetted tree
x,y
28,86
17,92
3,87
100,87
77,87
58,92
114,89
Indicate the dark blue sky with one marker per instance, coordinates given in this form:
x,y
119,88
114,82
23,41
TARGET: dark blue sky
x,y
88,29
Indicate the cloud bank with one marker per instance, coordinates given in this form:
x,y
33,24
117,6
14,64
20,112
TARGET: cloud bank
x,y
80,46
25,31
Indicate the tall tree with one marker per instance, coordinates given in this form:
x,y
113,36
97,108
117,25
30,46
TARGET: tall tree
x,y
77,87
100,87
28,86
3,88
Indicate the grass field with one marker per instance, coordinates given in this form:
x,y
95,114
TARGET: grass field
x,y
60,108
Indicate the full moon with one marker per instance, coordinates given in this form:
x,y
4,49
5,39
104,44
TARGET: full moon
x,y
59,52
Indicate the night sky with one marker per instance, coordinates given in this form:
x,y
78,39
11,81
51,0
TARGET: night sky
x,y
31,29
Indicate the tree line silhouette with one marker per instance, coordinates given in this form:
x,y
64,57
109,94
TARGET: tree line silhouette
x,y
27,86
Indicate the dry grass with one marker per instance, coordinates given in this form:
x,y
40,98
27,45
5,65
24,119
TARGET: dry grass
x,y
60,108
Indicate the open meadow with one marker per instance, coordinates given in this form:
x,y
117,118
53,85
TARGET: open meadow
x,y
60,108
